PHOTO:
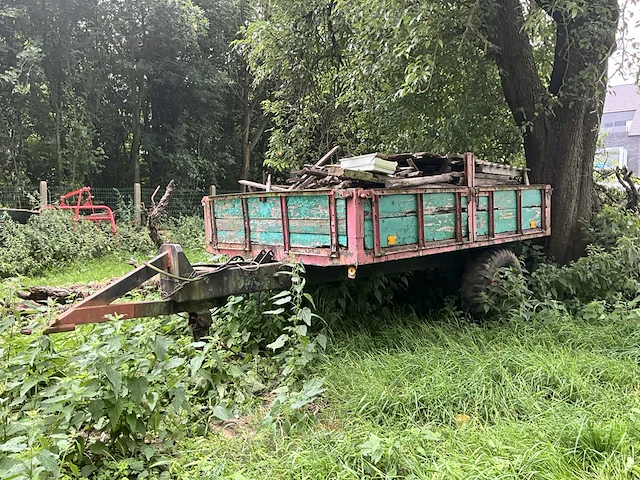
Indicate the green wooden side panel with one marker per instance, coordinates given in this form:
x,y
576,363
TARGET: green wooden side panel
x,y
504,200
439,226
505,220
309,225
531,198
482,223
398,217
397,206
405,229
308,206
228,212
268,207
483,203
231,236
531,214
439,202
228,208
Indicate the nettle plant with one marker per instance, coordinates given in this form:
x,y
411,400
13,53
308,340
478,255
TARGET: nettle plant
x,y
111,399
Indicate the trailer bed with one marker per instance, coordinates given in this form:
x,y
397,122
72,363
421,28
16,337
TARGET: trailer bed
x,y
368,226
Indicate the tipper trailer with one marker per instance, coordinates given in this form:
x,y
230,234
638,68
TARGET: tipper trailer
x,y
334,233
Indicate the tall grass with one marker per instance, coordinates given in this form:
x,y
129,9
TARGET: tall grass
x,y
411,397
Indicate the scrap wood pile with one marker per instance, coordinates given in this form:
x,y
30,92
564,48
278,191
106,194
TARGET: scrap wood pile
x,y
404,170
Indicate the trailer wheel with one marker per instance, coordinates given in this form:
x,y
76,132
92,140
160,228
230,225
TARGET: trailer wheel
x,y
480,274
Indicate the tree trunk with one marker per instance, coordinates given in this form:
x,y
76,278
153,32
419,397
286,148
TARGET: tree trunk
x,y
569,147
58,124
141,97
247,113
561,122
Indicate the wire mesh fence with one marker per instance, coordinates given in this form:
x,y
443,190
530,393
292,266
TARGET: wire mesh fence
x,y
183,202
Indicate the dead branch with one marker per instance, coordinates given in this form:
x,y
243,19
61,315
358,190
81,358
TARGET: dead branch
x,y
153,214
625,179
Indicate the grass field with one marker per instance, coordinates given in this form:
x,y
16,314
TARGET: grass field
x,y
410,397
418,396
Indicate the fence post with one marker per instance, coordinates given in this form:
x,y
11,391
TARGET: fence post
x,y
137,204
44,196
212,190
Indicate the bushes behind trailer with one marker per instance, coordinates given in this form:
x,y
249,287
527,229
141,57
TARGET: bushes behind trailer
x,y
51,239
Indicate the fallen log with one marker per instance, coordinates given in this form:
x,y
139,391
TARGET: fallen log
x,y
40,294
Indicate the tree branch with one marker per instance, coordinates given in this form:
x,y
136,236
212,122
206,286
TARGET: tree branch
x,y
520,80
560,59
261,127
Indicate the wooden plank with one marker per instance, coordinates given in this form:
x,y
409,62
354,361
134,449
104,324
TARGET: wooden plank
x,y
440,226
399,205
262,186
531,198
505,199
435,202
228,207
308,206
307,179
482,223
419,181
347,174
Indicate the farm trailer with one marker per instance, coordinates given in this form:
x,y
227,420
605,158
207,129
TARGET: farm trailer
x,y
334,234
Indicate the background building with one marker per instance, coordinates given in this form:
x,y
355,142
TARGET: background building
x,y
621,123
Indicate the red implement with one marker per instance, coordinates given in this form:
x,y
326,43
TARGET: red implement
x,y
84,208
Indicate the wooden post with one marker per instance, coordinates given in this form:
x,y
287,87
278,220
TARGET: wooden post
x,y
212,191
44,196
137,204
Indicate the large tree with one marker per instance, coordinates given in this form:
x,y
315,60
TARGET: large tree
x,y
487,76
559,115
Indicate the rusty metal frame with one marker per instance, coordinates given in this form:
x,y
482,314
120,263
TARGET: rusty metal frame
x,y
492,215
286,236
459,238
247,227
519,212
333,224
375,212
210,225
81,312
420,213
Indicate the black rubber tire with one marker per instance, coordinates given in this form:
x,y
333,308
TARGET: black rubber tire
x,y
480,274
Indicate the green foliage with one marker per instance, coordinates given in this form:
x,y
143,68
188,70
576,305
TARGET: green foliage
x,y
608,273
48,240
51,240
186,231
379,76
359,297
610,224
113,399
73,72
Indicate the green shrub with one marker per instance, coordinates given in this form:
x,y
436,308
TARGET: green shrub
x,y
610,224
187,231
51,239
110,400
